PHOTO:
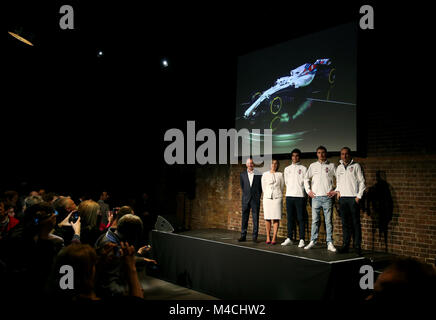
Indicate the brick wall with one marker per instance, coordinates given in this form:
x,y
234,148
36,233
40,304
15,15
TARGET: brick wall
x,y
411,181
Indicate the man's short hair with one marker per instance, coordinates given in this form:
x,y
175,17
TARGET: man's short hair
x,y
37,212
123,211
31,200
346,148
296,151
321,148
129,227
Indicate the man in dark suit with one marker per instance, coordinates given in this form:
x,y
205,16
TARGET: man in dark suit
x,y
251,191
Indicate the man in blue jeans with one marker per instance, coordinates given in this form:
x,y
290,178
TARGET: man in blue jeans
x,y
318,183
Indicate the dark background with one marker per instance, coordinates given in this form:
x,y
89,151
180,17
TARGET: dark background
x,y
73,121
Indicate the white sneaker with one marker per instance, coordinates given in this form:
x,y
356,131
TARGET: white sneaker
x,y
310,245
331,247
301,244
287,242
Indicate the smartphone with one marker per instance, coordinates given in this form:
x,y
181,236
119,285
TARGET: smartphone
x,y
74,216
117,252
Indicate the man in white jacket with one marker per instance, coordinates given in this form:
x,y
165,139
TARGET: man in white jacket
x,y
350,185
318,183
295,196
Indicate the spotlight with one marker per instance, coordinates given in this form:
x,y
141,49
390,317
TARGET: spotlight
x,y
165,63
100,53
16,36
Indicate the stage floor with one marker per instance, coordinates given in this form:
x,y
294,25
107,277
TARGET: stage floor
x,y
318,253
212,261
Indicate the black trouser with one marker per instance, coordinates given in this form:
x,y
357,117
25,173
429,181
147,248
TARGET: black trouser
x,y
295,209
254,205
350,215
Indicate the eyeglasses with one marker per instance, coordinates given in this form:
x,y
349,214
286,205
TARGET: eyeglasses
x,y
45,217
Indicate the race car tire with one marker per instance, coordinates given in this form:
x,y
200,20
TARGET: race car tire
x,y
332,76
271,125
276,105
255,96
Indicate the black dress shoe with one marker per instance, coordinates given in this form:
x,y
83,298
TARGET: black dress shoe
x,y
343,249
241,239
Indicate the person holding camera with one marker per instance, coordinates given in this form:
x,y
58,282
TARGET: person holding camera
x,y
29,250
112,281
64,208
89,212
87,266
116,214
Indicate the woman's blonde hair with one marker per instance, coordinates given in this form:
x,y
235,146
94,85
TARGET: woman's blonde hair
x,y
89,211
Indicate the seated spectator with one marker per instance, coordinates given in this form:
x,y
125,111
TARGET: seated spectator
x,y
104,209
29,249
129,229
406,280
87,265
34,193
117,214
83,259
6,222
50,197
31,200
11,198
64,206
89,212
28,202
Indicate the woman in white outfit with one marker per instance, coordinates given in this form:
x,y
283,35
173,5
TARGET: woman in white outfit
x,y
272,188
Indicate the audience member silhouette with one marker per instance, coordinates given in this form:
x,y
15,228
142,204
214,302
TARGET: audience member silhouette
x,y
406,281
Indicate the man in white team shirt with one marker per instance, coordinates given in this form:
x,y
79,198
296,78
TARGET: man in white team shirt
x,y
318,183
350,185
295,196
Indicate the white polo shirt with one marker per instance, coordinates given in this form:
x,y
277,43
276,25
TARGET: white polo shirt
x,y
319,178
349,180
294,180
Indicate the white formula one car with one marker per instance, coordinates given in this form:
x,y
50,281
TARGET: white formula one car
x,y
316,76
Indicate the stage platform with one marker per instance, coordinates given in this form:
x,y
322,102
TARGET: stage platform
x,y
212,261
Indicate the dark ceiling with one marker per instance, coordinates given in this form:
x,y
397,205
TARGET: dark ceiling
x,y
99,118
